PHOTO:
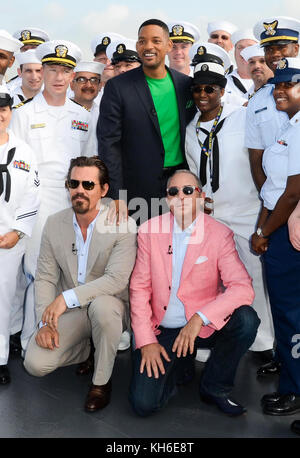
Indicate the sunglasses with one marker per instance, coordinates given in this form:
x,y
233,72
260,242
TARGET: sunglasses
x,y
87,185
187,190
207,89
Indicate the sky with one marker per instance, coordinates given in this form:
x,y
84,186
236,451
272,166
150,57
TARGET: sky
x,y
80,21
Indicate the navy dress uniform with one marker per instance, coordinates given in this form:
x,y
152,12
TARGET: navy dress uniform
x,y
263,119
56,134
19,203
282,262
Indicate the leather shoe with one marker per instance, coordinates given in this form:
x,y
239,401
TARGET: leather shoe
x,y
225,404
85,368
287,404
98,397
295,427
15,347
271,397
4,375
271,368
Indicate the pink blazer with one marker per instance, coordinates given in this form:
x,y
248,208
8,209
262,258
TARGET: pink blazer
x,y
211,263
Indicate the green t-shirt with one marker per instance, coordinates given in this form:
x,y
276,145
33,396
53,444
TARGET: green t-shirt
x,y
165,102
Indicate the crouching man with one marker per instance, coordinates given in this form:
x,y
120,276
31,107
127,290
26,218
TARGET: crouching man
x,y
81,283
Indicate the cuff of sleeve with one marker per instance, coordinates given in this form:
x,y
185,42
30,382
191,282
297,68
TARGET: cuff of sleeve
x,y
204,319
71,299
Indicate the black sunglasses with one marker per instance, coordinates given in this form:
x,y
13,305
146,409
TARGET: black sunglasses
x,y
187,190
87,185
207,89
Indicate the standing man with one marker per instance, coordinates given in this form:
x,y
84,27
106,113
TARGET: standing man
x,y
31,73
220,32
123,55
143,117
239,81
82,283
183,35
177,304
258,70
57,129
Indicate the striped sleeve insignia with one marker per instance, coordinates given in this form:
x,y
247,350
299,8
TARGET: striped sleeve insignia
x,y
36,179
23,103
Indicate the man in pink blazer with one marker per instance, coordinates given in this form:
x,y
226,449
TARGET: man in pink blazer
x,y
188,290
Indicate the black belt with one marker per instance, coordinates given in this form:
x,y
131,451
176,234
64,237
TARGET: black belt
x,y
168,171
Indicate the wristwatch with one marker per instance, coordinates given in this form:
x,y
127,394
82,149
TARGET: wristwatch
x,y
20,234
259,232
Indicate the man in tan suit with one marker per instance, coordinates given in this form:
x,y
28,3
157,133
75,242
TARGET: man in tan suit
x,y
81,283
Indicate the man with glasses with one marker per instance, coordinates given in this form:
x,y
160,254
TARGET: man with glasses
x,y
81,283
177,304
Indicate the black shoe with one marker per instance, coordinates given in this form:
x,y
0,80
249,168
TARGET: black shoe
x,y
271,397
4,375
287,404
271,368
15,347
225,404
295,427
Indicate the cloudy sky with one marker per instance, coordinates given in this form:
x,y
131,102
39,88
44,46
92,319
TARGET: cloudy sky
x,y
80,20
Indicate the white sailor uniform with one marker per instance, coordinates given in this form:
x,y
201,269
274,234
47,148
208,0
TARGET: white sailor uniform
x,y
18,210
56,134
236,202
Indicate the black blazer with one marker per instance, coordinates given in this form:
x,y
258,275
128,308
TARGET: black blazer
x,y
129,138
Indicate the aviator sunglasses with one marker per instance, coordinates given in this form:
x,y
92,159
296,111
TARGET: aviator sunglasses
x,y
87,185
187,190
207,89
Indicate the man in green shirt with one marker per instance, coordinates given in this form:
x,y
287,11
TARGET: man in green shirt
x,y
142,122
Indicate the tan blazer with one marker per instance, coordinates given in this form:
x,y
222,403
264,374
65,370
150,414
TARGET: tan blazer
x,y
111,259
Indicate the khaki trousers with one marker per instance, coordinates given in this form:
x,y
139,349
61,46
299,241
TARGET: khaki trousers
x,y
103,320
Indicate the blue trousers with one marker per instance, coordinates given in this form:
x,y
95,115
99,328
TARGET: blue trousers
x,y
148,394
282,267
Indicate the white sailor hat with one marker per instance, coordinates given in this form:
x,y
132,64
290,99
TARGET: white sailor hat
x,y
8,42
242,34
60,52
28,57
221,25
31,36
181,31
288,69
210,63
277,30
122,50
100,43
252,51
5,97
90,66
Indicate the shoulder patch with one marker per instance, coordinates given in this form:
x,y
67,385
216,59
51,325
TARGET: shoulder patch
x,y
77,103
23,103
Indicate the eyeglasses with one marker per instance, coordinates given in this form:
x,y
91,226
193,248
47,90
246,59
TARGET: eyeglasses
x,y
87,185
83,80
207,89
187,190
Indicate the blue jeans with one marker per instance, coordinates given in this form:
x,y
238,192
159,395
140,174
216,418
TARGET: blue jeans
x,y
148,394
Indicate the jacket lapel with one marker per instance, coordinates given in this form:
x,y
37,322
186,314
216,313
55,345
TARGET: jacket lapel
x,y
193,249
69,242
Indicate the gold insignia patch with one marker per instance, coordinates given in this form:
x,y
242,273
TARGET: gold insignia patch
x,y
120,49
25,35
282,64
106,41
201,50
61,51
177,30
270,28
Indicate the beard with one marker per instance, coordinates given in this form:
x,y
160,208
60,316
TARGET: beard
x,y
80,207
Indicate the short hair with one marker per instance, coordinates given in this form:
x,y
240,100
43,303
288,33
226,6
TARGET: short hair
x,y
93,161
157,22
185,171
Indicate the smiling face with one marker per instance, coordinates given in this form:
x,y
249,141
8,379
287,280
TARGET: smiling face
x,y
179,57
287,97
85,91
207,102
5,117
32,76
153,45
273,53
6,60
57,79
259,71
